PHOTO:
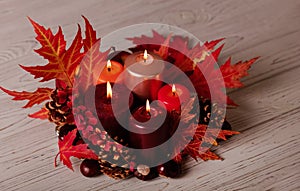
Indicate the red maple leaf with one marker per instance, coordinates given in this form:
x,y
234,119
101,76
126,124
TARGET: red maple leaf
x,y
93,58
62,63
232,74
163,51
223,133
149,43
67,150
195,150
41,114
209,135
36,97
185,58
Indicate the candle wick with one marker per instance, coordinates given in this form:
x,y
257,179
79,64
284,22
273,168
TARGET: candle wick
x,y
174,93
109,69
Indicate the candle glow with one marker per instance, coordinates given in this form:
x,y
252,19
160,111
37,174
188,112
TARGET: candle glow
x,y
108,90
145,57
173,89
147,106
108,65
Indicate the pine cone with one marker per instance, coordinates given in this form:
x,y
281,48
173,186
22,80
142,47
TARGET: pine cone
x,y
60,107
114,171
108,149
211,113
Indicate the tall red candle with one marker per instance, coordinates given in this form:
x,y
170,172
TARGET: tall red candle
x,y
104,108
173,96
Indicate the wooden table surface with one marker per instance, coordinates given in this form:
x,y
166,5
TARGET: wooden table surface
x,y
265,156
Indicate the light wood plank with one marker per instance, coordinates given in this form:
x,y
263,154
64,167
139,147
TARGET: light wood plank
x,y
264,157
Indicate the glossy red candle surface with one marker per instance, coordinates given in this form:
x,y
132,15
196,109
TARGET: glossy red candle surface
x,y
105,111
173,100
158,126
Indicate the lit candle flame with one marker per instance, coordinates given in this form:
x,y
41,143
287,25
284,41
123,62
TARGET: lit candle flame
x,y
145,55
108,90
108,65
173,89
147,106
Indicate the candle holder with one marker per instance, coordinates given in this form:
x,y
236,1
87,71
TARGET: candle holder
x,y
140,110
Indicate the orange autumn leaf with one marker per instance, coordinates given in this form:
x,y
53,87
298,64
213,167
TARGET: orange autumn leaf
x,y
67,150
36,97
93,58
195,150
62,63
41,114
210,135
232,74
223,133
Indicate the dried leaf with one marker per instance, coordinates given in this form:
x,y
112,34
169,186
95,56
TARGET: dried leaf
x,y
232,74
36,97
163,51
62,63
186,114
148,43
93,58
67,150
195,150
41,114
223,133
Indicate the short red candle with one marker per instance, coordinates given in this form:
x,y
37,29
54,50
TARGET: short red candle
x,y
138,137
173,99
111,72
104,108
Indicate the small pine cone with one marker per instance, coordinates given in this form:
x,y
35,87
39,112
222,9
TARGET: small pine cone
x,y
211,113
113,170
60,107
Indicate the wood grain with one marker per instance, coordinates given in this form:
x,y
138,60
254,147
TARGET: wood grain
x,y
266,156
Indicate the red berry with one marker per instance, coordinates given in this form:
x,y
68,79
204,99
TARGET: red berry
x,y
143,172
90,168
170,169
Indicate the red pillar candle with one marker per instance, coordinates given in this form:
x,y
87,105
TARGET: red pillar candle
x,y
139,136
103,103
173,97
111,72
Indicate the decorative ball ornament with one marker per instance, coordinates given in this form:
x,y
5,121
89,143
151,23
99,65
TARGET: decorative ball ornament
x,y
82,103
170,169
145,173
90,168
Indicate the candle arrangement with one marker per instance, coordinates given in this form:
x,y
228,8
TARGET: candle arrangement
x,y
137,112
